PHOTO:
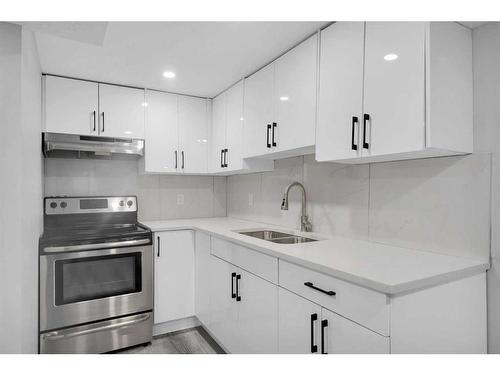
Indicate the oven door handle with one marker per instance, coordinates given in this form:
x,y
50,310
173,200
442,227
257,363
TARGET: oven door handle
x,y
95,246
59,336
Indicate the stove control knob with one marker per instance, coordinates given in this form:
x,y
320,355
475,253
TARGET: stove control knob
x,y
64,205
53,205
130,203
121,203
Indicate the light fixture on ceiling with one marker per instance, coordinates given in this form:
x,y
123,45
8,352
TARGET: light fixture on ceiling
x,y
169,75
242,119
390,57
145,104
283,98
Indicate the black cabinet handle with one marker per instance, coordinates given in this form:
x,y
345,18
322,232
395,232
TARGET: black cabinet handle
x,y
267,135
274,127
225,157
324,324
182,158
94,120
354,146
314,348
311,285
103,122
175,153
158,245
238,297
233,294
366,118
222,158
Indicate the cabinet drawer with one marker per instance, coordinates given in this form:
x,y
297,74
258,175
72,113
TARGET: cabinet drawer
x,y
367,307
257,263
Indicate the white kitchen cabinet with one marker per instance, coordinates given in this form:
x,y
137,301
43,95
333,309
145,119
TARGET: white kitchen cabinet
x,y
223,309
280,105
257,328
193,134
340,100
417,91
342,336
174,275
70,106
299,324
218,144
202,275
161,132
121,111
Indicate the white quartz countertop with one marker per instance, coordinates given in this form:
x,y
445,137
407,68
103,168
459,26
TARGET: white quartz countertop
x,y
387,269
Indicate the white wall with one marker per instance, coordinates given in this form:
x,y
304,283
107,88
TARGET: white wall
x,y
439,205
204,196
21,189
486,41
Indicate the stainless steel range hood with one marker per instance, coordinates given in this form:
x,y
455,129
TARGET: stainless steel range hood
x,y
88,147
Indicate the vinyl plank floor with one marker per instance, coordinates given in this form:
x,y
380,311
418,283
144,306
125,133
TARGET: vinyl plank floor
x,y
188,341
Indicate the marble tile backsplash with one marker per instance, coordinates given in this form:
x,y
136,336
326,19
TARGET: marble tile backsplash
x,y
204,196
440,204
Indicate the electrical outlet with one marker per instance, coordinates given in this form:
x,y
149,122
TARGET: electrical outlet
x,y
250,199
180,199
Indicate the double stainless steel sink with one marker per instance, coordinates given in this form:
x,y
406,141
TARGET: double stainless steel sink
x,y
276,237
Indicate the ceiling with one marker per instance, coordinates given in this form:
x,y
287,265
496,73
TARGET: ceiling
x,y
207,57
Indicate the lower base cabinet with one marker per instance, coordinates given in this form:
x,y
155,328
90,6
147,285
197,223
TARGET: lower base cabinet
x,y
305,327
244,310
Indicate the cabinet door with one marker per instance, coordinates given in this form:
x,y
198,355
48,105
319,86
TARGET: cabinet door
x,y
70,106
299,324
234,126
121,111
223,310
202,274
258,111
394,87
257,328
295,97
218,139
174,275
342,336
161,132
193,134
340,91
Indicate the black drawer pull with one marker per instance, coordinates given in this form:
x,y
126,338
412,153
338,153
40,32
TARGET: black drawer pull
x,y
94,119
222,158
275,125
225,157
314,348
238,297
324,324
233,294
354,146
366,118
267,135
311,285
158,243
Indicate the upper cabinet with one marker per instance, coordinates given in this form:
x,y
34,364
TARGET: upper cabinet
x,y
226,153
70,106
280,105
394,90
177,129
121,111
88,108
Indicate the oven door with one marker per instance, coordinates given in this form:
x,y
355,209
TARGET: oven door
x,y
86,286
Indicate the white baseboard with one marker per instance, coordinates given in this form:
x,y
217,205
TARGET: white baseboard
x,y
175,325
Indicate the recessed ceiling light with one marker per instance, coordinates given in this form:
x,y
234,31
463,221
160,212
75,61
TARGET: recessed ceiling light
x,y
242,119
169,75
283,98
128,132
145,104
390,57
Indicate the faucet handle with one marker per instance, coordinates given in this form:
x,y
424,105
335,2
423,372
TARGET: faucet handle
x,y
284,204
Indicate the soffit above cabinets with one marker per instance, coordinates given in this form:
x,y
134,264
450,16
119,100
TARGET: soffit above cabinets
x,y
207,57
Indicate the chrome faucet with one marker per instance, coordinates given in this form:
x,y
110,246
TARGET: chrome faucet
x,y
305,224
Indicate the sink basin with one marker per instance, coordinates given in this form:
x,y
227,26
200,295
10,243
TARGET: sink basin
x,y
277,237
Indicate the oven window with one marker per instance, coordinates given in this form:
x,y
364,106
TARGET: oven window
x,y
85,279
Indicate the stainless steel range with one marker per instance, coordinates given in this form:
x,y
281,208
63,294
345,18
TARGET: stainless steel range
x,y
96,276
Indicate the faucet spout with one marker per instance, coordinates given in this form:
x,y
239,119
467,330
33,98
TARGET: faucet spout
x,y
305,224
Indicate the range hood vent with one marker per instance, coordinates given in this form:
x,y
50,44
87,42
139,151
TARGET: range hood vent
x,y
88,147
